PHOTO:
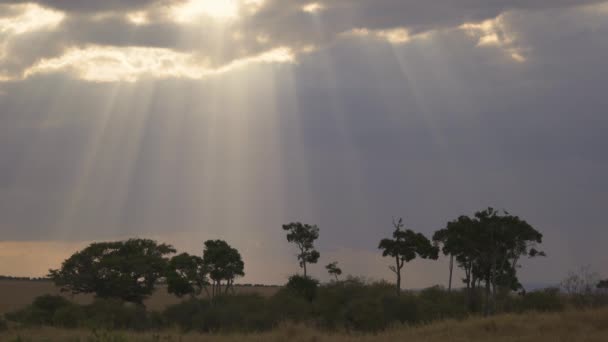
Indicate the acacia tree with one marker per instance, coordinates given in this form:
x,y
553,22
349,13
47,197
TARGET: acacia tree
x,y
489,247
303,236
223,263
456,241
333,269
127,270
404,247
506,239
187,275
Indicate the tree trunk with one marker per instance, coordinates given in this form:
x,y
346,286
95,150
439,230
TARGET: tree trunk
x,y
304,264
487,306
451,269
398,271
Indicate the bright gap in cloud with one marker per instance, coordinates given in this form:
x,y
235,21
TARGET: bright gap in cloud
x,y
494,33
217,9
31,17
138,18
114,64
395,36
313,7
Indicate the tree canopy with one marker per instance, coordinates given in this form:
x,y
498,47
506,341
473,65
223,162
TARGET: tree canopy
x,y
404,247
488,247
303,236
223,263
126,270
186,275
333,269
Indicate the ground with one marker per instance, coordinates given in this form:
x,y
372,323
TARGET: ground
x,y
575,326
16,294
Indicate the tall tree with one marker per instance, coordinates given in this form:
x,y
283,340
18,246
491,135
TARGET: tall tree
x,y
126,270
223,263
303,236
404,247
489,247
455,241
187,275
333,269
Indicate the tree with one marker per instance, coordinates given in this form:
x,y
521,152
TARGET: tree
x,y
404,247
333,269
186,275
303,236
223,263
127,270
489,247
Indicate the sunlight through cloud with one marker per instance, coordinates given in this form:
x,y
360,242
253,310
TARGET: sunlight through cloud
x,y
111,64
138,18
313,7
31,17
395,36
216,9
494,33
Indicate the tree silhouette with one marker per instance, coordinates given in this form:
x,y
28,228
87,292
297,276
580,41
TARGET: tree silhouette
x,y
333,269
404,247
126,270
488,247
186,275
457,241
223,263
303,236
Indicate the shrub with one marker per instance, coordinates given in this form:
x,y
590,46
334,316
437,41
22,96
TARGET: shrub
x,y
355,305
435,303
116,314
303,286
243,313
3,325
40,312
71,316
547,300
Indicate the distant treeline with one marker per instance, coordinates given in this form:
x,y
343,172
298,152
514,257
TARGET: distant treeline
x,y
488,247
2,277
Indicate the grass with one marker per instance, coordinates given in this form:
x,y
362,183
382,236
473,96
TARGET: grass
x,y
579,326
17,294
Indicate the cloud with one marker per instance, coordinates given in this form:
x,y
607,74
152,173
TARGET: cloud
x,y
222,33
110,64
90,5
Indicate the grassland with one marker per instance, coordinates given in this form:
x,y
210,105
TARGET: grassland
x,y
579,326
17,294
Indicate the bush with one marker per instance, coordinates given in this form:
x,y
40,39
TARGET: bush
x,y
547,300
355,305
115,314
243,313
40,312
303,286
70,316
436,303
3,325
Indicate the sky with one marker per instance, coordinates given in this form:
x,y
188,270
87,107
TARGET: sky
x,y
188,120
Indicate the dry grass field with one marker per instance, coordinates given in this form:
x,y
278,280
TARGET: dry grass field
x,y
575,326
16,294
